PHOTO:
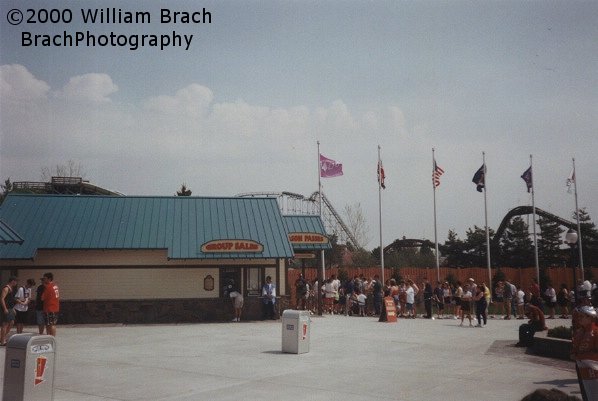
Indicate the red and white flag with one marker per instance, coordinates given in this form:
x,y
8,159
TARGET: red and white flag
x,y
330,168
381,175
570,180
436,173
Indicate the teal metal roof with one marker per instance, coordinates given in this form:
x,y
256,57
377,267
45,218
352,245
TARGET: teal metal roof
x,y
306,224
8,235
179,224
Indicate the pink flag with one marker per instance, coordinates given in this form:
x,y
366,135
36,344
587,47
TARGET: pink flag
x,y
329,168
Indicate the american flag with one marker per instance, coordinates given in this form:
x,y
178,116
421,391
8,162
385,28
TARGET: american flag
x,y
381,175
436,173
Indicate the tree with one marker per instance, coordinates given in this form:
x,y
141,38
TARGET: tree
x,y
476,246
69,169
453,249
6,188
549,247
516,246
589,240
549,243
357,223
184,191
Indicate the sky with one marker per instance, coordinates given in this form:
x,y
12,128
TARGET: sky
x,y
243,107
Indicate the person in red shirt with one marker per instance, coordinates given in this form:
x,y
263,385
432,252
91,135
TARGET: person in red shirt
x,y
51,299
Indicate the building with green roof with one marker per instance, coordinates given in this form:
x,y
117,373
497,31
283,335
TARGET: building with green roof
x,y
153,259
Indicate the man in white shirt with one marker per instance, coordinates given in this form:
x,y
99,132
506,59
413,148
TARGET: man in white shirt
x,y
23,298
268,299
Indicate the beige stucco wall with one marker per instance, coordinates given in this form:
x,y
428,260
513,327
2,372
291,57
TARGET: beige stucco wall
x,y
127,283
132,274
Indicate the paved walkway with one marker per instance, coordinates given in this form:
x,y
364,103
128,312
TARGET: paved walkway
x,y
350,358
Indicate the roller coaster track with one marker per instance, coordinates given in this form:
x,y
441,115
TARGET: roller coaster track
x,y
522,210
296,204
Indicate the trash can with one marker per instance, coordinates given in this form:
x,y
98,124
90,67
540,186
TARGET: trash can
x,y
295,331
29,368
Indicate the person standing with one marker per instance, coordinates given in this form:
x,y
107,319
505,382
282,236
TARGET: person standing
x,y
550,295
23,298
457,298
51,298
508,299
7,301
438,298
39,308
409,299
268,299
466,299
520,303
238,300
428,295
377,293
481,304
563,301
301,292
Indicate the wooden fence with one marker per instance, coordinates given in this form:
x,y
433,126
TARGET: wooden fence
x,y
517,276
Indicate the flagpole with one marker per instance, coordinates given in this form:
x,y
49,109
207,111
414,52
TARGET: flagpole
x,y
321,280
435,227
578,223
321,210
534,222
380,215
486,221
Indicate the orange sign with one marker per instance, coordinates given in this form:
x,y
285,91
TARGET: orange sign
x,y
40,369
391,310
232,245
307,238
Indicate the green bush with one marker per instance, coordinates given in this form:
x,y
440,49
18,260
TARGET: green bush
x,y
560,332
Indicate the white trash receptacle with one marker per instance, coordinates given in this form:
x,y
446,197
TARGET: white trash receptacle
x,y
295,331
29,368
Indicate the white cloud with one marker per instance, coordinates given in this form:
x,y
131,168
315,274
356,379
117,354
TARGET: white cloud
x,y
18,84
228,147
95,88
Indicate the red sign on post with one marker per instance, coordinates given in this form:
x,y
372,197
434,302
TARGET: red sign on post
x,y
391,310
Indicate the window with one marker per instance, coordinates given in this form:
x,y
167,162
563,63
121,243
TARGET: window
x,y
254,281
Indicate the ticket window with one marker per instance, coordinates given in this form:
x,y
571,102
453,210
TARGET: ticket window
x,y
255,280
229,277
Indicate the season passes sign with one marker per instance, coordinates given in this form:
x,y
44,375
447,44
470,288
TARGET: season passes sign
x,y
307,238
231,246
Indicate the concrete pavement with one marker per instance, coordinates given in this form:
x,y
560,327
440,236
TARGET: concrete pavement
x,y
350,358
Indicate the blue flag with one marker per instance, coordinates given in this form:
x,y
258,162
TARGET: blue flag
x,y
479,178
527,177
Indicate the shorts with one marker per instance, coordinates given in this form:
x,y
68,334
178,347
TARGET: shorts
x,y
39,318
457,301
8,317
409,307
21,317
50,318
440,305
238,303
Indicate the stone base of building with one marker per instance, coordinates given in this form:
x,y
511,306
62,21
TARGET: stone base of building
x,y
158,311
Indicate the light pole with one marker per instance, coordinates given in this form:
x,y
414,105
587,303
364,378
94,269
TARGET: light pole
x,y
571,240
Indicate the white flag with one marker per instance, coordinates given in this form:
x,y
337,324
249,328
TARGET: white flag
x,y
570,180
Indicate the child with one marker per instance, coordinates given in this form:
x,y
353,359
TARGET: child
x,y
466,304
361,299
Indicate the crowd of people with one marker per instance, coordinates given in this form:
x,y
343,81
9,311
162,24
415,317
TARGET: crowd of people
x,y
361,296
15,301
